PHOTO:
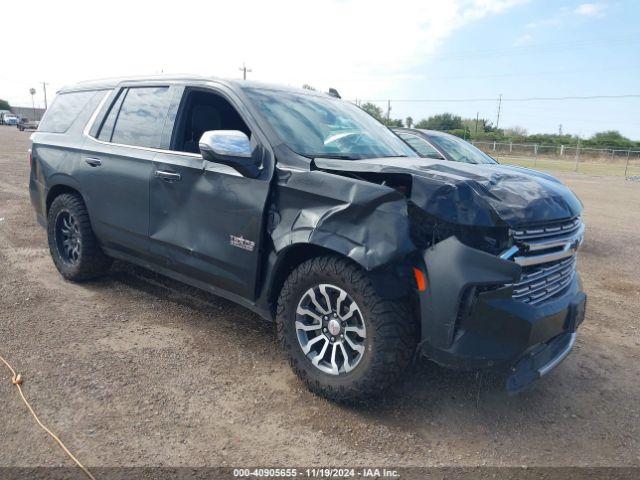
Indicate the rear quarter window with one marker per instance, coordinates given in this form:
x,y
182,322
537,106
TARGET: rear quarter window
x,y
64,111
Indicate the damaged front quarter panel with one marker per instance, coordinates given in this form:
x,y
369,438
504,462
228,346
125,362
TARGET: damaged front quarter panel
x,y
364,221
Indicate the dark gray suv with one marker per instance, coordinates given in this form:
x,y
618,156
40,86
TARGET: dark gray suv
x,y
303,208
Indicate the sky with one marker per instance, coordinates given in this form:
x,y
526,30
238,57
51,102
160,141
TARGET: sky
x,y
425,56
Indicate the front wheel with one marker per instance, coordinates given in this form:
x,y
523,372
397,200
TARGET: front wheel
x,y
341,338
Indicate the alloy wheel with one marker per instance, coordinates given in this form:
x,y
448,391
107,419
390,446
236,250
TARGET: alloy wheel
x,y
68,238
330,329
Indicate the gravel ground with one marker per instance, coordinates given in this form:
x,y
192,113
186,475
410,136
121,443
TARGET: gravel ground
x,y
139,370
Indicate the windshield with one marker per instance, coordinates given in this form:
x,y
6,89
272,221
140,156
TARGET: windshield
x,y
459,150
318,126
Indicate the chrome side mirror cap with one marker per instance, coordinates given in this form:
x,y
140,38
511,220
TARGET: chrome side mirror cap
x,y
229,147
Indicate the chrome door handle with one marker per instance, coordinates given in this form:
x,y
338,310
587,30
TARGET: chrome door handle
x,y
168,176
94,162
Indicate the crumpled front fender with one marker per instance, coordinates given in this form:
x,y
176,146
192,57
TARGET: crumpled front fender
x,y
364,221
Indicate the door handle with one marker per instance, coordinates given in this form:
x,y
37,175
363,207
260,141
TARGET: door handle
x,y
93,162
168,176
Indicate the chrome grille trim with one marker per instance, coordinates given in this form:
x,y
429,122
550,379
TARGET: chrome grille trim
x,y
548,248
545,282
547,231
548,256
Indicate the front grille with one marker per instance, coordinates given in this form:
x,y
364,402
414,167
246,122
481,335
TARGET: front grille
x,y
546,231
547,254
545,281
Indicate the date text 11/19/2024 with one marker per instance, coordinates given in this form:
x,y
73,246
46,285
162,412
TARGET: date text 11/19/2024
x,y
316,472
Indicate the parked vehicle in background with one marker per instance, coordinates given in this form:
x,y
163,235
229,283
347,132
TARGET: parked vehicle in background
x,y
444,146
9,119
305,209
2,112
26,124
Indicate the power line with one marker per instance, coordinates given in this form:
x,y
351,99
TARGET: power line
x,y
522,99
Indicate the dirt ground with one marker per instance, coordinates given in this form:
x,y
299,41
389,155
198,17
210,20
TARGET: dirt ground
x,y
136,369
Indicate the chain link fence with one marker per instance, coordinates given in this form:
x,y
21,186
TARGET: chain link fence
x,y
597,161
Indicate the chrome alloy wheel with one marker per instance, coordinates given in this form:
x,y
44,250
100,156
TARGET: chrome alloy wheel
x,y
330,329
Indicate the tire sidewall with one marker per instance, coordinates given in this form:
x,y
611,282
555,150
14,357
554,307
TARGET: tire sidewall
x,y
288,319
59,206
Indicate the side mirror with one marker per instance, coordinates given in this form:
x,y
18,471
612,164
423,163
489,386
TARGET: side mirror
x,y
229,147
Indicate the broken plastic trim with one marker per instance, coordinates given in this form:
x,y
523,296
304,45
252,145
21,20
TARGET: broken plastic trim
x,y
453,268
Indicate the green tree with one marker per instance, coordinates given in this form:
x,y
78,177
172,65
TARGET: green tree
x,y
306,86
610,138
515,132
442,121
392,122
4,105
408,121
373,110
487,126
463,133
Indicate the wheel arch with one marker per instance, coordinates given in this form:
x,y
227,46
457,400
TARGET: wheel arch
x,y
57,190
387,280
288,260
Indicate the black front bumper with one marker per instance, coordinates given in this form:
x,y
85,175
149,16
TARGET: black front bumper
x,y
470,320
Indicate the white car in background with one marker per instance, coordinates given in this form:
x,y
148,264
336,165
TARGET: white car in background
x,y
9,119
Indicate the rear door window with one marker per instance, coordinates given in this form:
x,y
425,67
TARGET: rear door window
x,y
141,116
64,111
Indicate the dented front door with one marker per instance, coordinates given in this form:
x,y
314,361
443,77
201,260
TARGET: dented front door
x,y
206,220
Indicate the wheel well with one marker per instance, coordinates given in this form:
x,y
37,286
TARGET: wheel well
x,y
386,283
56,191
292,257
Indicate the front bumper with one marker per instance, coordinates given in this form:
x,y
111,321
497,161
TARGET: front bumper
x,y
470,320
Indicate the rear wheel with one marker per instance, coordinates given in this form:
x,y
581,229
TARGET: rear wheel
x,y
74,248
341,338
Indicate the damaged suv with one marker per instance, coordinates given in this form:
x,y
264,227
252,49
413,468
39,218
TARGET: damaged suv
x,y
306,210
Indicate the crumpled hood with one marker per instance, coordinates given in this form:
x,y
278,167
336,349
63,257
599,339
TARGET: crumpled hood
x,y
479,195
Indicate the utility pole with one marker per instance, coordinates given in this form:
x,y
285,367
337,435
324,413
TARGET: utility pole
x,y
44,88
560,130
388,110
499,106
32,91
477,118
626,167
244,71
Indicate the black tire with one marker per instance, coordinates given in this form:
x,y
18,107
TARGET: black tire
x,y
390,331
89,261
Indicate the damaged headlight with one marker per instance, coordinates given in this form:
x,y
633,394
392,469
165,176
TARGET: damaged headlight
x,y
427,230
